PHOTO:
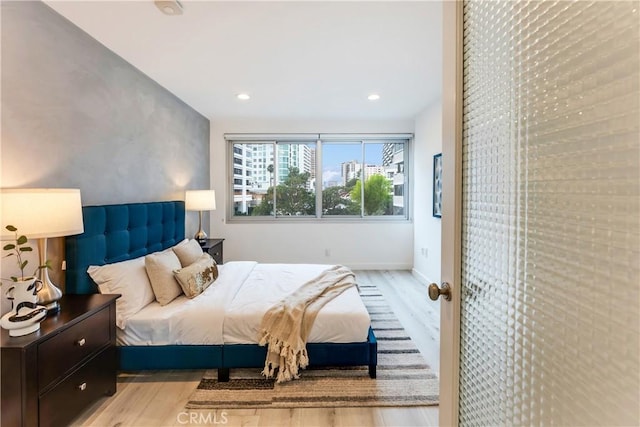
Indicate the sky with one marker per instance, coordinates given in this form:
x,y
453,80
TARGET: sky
x,y
333,155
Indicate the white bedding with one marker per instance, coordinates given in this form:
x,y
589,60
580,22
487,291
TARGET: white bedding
x,y
230,311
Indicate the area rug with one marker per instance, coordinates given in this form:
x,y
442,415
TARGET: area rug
x,y
403,377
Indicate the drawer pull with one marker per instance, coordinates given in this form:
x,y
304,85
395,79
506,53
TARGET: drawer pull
x,y
82,387
81,342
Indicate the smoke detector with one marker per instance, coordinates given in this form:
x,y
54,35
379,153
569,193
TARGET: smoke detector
x,y
169,7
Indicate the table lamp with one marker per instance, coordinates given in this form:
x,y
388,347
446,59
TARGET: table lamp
x,y
40,213
200,200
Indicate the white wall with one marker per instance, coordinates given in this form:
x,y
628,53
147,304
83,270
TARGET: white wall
x,y
377,245
426,240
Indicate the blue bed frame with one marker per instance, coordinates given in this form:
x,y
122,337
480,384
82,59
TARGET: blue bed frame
x,y
115,233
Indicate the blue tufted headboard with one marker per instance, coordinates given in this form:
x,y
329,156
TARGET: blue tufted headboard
x,y
114,233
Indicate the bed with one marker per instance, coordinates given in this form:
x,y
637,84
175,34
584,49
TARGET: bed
x,y
115,233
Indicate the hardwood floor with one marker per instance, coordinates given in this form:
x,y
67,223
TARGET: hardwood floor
x,y
158,398
410,302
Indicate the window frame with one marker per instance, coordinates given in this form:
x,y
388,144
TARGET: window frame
x,y
318,140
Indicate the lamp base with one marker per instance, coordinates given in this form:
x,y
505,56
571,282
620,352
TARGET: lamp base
x,y
53,308
201,237
49,294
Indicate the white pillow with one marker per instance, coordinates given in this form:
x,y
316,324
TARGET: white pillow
x,y
129,279
160,266
188,253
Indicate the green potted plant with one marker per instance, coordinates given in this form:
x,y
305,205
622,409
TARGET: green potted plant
x,y
24,288
25,315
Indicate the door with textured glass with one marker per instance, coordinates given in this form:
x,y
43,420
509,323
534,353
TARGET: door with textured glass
x,y
541,213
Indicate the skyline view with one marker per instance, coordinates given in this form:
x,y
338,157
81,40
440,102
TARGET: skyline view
x,y
334,155
357,178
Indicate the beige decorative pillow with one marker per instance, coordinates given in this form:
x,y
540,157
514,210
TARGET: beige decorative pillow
x,y
188,253
160,266
180,243
197,277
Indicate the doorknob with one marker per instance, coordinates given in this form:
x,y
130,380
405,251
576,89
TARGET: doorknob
x,y
435,291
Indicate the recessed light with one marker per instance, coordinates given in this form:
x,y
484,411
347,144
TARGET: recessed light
x,y
373,97
243,96
169,7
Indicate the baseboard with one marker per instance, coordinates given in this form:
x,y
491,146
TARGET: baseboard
x,y
421,277
379,266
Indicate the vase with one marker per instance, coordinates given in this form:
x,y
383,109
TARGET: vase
x,y
23,290
25,315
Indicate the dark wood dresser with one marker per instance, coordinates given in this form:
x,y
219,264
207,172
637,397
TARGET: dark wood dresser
x,y
52,375
214,248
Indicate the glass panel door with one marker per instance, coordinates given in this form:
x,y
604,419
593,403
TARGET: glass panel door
x,y
550,227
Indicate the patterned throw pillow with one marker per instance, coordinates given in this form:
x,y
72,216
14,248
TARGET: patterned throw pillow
x,y
197,277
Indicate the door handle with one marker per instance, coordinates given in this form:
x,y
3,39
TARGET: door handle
x,y
435,291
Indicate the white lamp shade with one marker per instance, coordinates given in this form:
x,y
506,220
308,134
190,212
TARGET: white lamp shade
x,y
41,212
200,200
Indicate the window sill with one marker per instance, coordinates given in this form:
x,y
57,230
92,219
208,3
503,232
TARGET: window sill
x,y
323,220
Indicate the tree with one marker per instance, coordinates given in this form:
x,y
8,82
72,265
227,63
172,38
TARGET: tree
x,y
377,195
337,201
265,208
351,183
292,196
270,170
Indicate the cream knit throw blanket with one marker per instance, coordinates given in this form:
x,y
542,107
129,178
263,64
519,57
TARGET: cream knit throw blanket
x,y
286,326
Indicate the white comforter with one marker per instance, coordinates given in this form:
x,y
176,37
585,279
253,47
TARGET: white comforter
x,y
230,311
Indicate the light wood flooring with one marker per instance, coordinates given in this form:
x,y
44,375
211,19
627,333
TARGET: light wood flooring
x,y
157,398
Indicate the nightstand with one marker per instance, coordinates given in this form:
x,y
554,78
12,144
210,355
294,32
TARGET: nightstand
x,y
214,248
50,376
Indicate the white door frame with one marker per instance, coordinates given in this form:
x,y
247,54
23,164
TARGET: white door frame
x,y
451,209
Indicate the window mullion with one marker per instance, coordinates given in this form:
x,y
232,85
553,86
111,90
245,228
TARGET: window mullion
x,y
231,199
275,177
362,169
407,170
319,186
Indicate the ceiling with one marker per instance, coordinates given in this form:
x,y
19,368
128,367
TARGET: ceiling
x,y
296,60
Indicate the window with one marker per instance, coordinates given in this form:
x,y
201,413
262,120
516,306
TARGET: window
x,y
361,177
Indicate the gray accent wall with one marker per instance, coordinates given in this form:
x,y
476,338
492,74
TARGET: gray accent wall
x,y
74,114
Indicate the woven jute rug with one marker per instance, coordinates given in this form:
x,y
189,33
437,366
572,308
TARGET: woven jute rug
x,y
404,379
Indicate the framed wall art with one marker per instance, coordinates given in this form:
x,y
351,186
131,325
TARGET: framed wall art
x,y
437,185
